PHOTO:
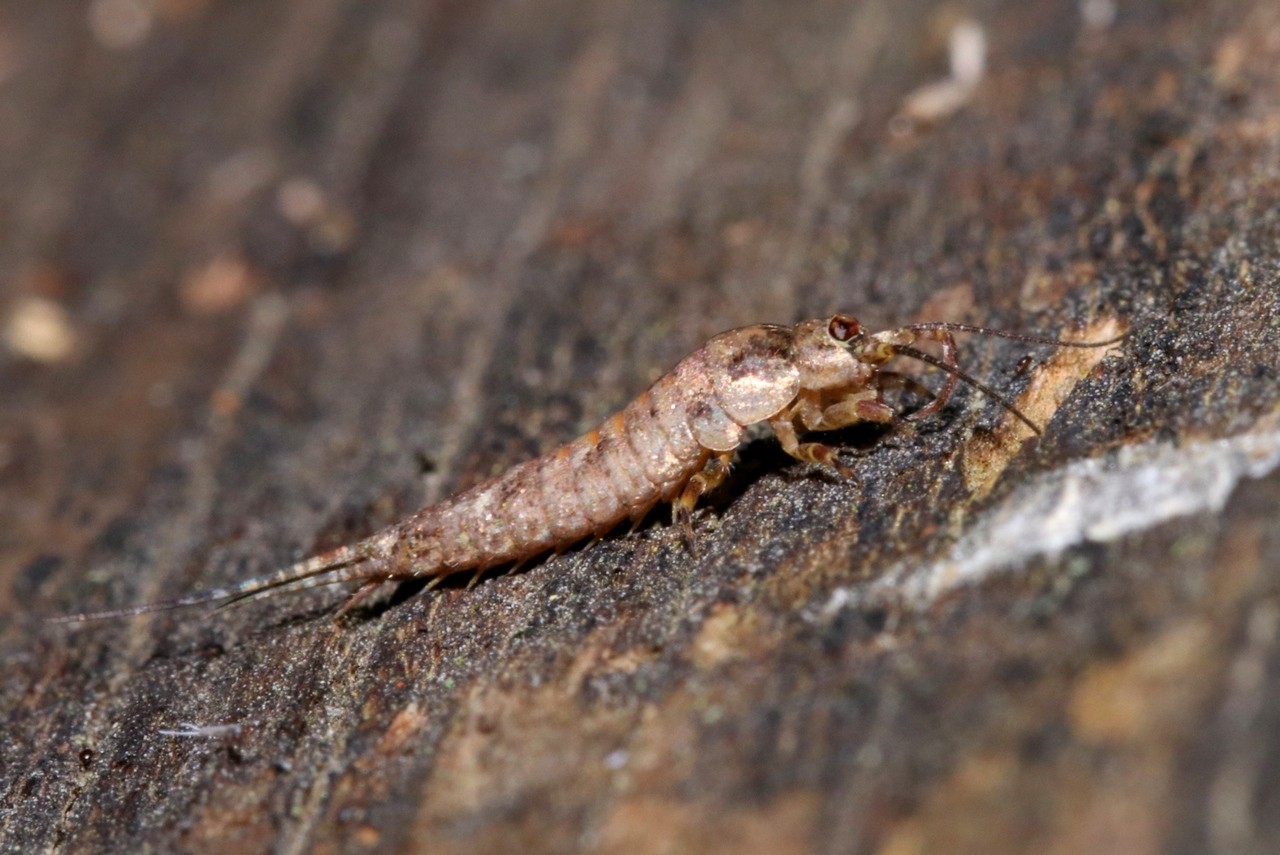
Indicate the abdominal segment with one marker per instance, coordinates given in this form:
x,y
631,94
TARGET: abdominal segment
x,y
620,470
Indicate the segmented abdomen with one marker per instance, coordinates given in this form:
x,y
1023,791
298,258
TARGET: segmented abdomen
x,y
620,470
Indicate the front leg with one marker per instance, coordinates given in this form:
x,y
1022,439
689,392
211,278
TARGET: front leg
x,y
863,406
784,428
815,411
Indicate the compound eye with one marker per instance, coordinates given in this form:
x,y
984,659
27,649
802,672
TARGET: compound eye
x,y
844,328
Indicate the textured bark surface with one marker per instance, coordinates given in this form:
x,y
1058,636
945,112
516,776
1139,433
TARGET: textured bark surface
x,y
277,272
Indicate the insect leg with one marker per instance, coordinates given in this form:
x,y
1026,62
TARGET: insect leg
x,y
711,476
359,595
863,406
949,361
784,429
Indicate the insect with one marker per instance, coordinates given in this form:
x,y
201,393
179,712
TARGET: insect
x,y
674,443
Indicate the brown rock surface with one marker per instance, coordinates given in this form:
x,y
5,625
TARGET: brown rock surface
x,y
273,273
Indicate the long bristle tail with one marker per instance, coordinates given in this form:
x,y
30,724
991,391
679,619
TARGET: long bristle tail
x,y
322,569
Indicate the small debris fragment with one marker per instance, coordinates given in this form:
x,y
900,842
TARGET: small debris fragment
x,y
220,286
38,329
1098,14
329,227
1229,62
967,51
967,54
208,731
121,24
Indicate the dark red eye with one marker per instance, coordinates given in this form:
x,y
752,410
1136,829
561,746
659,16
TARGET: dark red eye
x,y
844,328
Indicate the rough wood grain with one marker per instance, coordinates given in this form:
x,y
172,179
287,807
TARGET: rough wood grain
x,y
312,263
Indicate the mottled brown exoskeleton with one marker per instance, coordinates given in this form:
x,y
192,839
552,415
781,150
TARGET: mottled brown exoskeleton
x,y
672,444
